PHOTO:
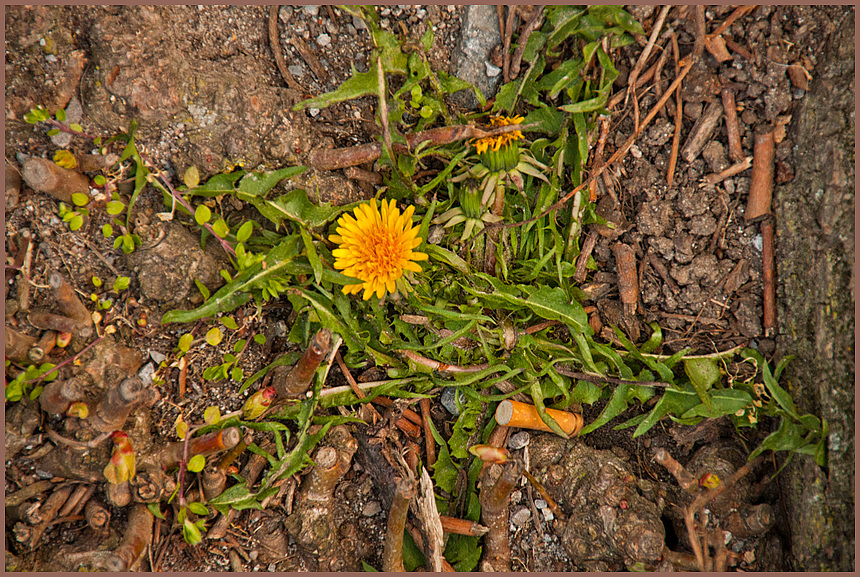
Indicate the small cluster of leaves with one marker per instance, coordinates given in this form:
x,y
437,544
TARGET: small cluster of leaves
x,y
17,387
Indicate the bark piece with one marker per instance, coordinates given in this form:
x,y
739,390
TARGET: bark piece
x,y
702,131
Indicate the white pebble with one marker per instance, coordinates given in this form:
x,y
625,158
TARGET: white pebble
x,y
311,10
492,71
757,242
313,111
323,40
540,503
547,514
521,517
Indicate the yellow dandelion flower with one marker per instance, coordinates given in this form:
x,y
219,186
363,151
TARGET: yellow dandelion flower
x,y
376,246
496,142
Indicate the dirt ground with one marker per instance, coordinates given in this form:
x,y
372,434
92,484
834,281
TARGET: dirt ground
x,y
203,85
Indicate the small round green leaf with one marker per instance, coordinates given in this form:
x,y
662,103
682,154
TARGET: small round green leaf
x,y
245,231
202,214
61,115
220,227
76,222
260,339
97,282
192,177
237,374
196,463
212,415
229,323
185,342
99,180
121,283
80,199
115,207
76,127
107,231
214,336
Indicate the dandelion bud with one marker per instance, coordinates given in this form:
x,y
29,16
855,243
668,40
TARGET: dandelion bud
x,y
488,454
122,466
257,403
709,481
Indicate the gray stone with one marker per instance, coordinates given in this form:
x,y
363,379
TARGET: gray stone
x,y
323,40
521,517
479,33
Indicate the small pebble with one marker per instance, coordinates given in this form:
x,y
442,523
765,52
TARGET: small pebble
x,y
311,10
157,357
371,508
757,242
492,71
296,70
540,503
547,514
519,440
521,517
323,40
146,373
447,400
313,111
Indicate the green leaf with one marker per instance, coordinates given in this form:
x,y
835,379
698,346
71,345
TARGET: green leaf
x,y
244,232
155,509
357,85
236,292
220,228
214,336
107,231
723,402
295,206
260,339
444,469
258,184
212,415
198,509
76,222
99,180
202,214
237,374
76,127
788,437
329,319
312,255
703,373
191,533
121,283
191,177
229,322
553,304
673,401
202,288
185,342
114,207
80,199
196,463
616,405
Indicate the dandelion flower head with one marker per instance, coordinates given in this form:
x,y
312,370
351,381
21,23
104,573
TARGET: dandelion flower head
x,y
376,246
496,142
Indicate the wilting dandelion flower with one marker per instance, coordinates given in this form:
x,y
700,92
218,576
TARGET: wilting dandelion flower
x,y
376,246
